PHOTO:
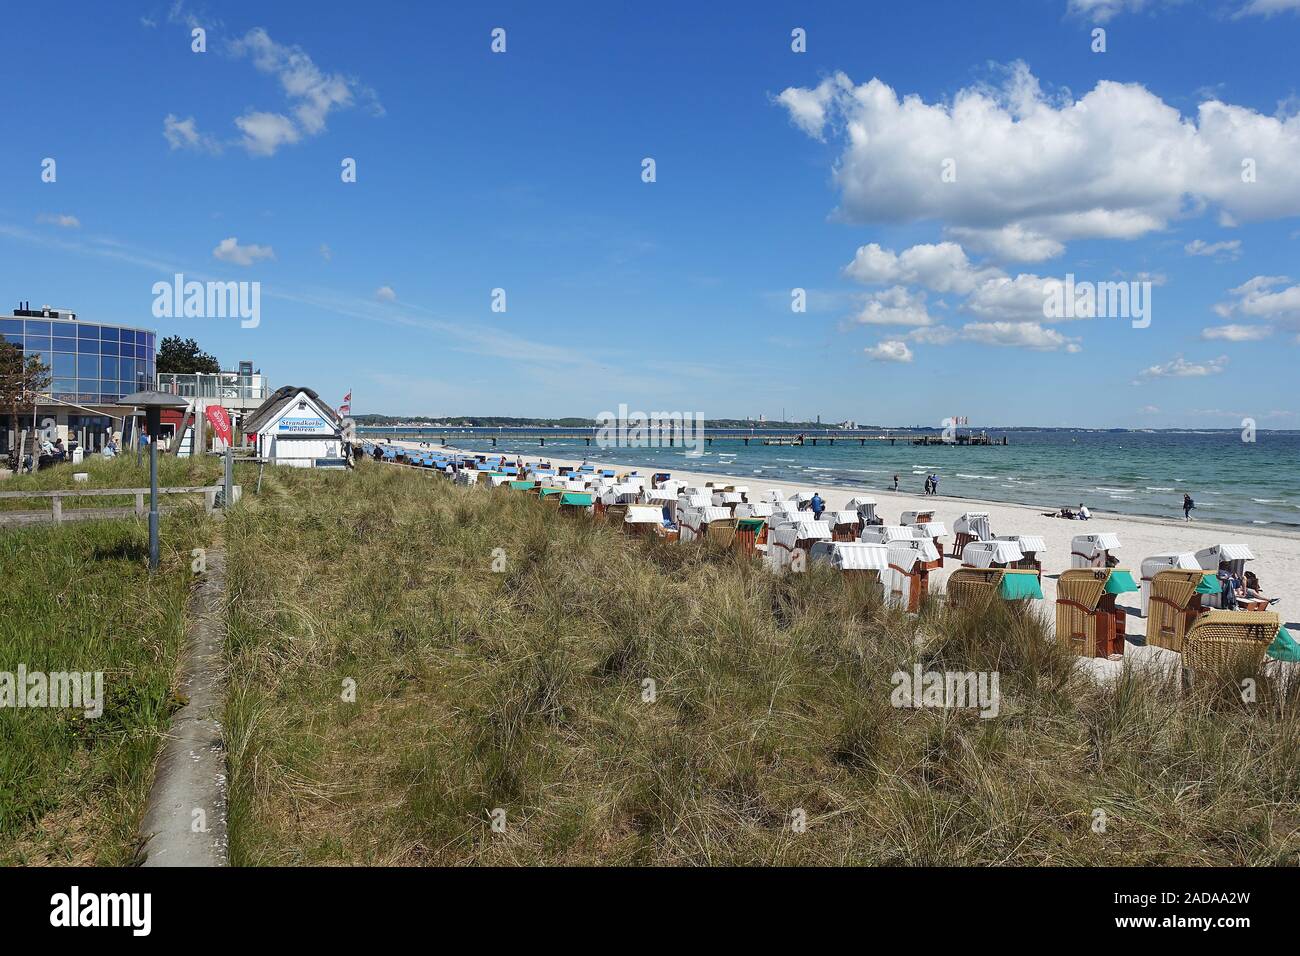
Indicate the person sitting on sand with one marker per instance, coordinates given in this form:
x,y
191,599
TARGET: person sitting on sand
x,y
1084,513
1251,589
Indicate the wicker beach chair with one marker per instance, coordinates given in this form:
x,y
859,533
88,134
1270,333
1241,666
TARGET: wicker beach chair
x,y
721,532
1087,621
1174,608
971,587
1229,640
750,532
615,514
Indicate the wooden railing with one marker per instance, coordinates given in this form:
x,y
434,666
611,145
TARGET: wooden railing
x,y
209,493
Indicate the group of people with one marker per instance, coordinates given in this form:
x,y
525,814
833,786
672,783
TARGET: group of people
x,y
931,484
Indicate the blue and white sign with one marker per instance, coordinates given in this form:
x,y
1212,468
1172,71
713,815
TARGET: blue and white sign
x,y
307,426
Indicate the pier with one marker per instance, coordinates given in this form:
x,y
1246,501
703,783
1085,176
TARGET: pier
x,y
667,439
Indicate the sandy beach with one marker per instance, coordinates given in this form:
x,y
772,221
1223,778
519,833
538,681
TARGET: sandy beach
x,y
1277,551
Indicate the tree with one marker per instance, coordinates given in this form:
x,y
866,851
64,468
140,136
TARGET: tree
x,y
184,356
22,380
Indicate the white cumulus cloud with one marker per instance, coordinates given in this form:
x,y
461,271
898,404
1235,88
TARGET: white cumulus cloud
x,y
1181,368
229,250
1237,333
890,351
1034,171
894,306
1223,251
385,294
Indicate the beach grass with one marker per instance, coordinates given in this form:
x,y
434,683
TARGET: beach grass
x,y
119,472
79,598
605,700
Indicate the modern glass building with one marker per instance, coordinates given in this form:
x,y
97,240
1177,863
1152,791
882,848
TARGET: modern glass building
x,y
90,363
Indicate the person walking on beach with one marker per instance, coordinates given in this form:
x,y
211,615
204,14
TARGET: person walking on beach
x,y
818,506
895,482
1188,505
928,484
934,485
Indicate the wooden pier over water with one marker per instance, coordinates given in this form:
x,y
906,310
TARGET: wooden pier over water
x,y
674,439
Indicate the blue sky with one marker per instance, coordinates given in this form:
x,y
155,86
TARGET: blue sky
x,y
775,170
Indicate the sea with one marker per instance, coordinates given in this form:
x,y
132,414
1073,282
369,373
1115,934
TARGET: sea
x,y
1131,472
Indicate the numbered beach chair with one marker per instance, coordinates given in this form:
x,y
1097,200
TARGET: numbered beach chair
x,y
866,509
845,525
1032,548
991,554
1175,605
907,580
1094,550
1167,561
789,542
1230,640
923,525
971,526
1231,557
1088,623
972,587
750,533
855,560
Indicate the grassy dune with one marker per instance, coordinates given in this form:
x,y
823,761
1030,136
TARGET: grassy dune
x,y
120,472
79,598
525,691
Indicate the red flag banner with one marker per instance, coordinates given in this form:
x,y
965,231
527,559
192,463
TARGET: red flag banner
x,y
220,420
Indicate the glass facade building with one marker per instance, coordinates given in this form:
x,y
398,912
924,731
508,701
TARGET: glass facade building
x,y
90,363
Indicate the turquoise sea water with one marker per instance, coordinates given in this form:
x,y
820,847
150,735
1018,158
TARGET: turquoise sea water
x,y
1130,472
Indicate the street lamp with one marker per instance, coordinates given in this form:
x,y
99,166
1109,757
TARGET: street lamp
x,y
153,403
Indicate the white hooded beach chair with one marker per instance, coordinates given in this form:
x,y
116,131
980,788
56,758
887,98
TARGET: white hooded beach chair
x,y
694,521
1031,546
866,509
1094,550
845,525
789,542
855,559
1166,561
886,533
991,554
910,564
971,526
1230,557
753,509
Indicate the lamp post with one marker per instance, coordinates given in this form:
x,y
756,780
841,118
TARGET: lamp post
x,y
153,403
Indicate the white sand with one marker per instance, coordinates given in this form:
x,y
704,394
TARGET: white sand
x,y
1277,552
